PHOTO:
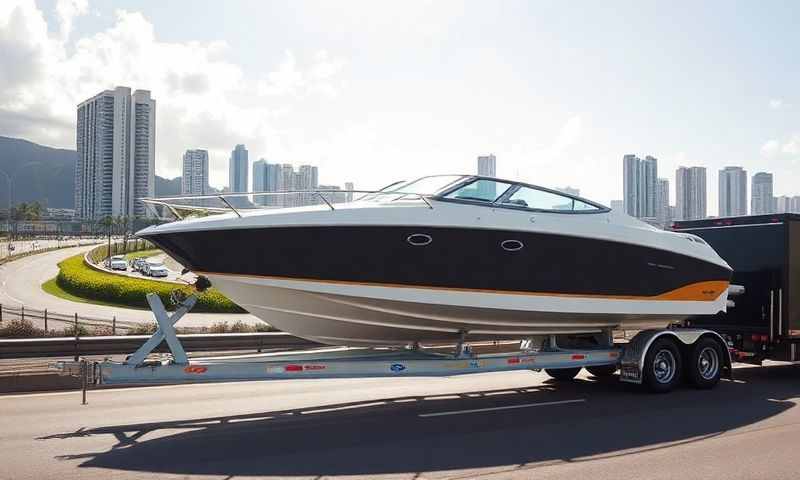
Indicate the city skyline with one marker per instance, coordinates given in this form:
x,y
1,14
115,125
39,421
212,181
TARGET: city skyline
x,y
310,91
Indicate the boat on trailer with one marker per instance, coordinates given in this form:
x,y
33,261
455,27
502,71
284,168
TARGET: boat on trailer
x,y
442,259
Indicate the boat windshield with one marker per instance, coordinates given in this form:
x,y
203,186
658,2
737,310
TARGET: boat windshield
x,y
513,195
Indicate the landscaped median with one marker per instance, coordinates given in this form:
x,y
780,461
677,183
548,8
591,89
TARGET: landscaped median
x,y
76,278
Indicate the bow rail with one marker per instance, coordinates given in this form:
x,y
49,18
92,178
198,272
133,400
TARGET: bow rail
x,y
174,204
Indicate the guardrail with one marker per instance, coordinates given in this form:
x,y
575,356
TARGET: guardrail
x,y
116,345
5,258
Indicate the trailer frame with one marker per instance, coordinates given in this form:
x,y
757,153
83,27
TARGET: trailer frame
x,y
415,361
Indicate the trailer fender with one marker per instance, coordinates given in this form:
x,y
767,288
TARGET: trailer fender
x,y
632,362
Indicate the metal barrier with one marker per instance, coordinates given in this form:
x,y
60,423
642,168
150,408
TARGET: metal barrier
x,y
116,345
52,320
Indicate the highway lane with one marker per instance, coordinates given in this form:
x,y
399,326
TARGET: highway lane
x,y
382,428
21,280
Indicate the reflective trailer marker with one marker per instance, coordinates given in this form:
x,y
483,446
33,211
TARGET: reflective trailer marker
x,y
293,368
579,356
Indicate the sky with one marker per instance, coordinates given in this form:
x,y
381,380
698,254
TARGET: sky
x,y
378,91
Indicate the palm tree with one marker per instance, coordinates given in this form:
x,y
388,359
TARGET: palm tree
x,y
108,222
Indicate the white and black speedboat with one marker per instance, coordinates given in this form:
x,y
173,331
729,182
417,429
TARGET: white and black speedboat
x,y
442,257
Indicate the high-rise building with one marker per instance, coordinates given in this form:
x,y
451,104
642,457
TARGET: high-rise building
x,y
650,179
286,183
662,202
690,189
237,169
307,178
265,179
639,185
762,201
334,196
783,204
796,204
349,187
194,180
116,134
631,172
732,192
487,165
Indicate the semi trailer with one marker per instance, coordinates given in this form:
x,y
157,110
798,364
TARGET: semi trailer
x,y
764,252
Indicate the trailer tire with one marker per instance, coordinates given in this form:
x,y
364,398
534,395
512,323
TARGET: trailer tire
x,y
662,365
602,370
704,366
562,374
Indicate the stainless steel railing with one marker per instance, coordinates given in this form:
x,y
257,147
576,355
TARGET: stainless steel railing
x,y
174,204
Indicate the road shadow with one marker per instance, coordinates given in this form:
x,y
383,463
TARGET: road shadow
x,y
389,436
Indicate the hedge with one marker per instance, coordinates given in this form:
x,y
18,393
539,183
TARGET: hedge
x,y
79,279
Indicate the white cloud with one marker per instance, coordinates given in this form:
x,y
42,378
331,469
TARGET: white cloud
x,y
776,103
792,146
67,10
776,147
203,99
771,147
288,79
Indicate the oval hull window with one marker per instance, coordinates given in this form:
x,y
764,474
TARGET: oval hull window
x,y
419,239
511,245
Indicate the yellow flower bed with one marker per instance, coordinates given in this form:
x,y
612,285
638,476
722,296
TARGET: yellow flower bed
x,y
77,278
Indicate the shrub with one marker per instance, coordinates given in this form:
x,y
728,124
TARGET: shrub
x,y
79,279
143,329
69,331
21,329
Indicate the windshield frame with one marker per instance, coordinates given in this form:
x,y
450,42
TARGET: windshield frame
x,y
513,188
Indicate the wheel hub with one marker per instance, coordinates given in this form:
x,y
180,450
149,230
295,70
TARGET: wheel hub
x,y
708,363
664,366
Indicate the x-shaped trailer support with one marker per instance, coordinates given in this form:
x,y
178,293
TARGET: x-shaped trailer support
x,y
166,331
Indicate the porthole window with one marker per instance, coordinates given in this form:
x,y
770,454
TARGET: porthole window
x,y
419,239
511,245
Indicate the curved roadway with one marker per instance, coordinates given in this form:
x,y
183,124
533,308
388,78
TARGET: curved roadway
x,y
21,280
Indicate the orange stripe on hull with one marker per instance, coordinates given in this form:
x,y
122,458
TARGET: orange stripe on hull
x,y
696,292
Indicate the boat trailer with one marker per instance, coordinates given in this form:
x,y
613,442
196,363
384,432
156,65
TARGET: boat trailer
x,y
637,360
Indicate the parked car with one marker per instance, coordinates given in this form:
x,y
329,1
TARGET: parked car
x,y
137,264
117,262
157,270
146,264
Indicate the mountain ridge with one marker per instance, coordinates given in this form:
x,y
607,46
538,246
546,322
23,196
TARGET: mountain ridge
x,y
47,174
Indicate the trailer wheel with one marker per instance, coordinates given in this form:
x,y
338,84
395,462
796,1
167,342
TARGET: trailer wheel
x,y
562,374
662,366
602,370
705,363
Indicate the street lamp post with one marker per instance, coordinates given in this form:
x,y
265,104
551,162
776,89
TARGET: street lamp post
x,y
8,213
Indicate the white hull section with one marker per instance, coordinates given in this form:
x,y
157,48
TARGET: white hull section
x,y
356,314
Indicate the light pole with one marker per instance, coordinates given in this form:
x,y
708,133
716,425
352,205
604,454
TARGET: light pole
x,y
8,213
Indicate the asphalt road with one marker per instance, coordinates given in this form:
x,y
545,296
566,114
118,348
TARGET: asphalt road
x,y
21,280
381,428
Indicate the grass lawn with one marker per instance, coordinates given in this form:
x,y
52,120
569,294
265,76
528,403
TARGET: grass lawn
x,y
51,287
